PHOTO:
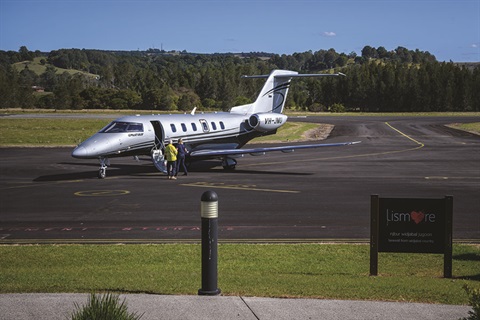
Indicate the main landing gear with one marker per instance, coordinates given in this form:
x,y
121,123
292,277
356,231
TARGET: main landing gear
x,y
104,163
229,163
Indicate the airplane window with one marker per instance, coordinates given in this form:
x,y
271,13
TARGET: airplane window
x,y
204,125
194,126
135,127
222,125
214,126
184,127
174,129
117,127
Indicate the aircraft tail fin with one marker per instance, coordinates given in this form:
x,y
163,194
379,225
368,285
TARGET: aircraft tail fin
x,y
273,95
274,92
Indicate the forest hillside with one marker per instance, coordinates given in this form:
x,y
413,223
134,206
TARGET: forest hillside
x,y
378,80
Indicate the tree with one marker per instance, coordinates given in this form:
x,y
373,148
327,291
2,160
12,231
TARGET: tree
x,y
13,92
160,99
404,55
25,54
131,99
316,107
7,86
49,78
341,61
382,52
330,57
28,78
369,52
337,108
67,92
188,100
403,80
226,94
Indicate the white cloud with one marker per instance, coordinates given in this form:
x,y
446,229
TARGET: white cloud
x,y
475,45
329,34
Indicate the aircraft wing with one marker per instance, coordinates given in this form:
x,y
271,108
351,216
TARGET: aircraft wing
x,y
260,151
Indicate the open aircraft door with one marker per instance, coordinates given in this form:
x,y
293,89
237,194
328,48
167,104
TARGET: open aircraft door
x,y
157,151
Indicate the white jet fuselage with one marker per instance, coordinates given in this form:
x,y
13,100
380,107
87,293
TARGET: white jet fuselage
x,y
135,135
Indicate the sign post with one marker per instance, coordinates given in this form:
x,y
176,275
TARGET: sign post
x,y
374,235
413,226
448,254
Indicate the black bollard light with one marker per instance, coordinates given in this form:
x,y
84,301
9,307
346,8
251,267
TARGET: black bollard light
x,y
209,213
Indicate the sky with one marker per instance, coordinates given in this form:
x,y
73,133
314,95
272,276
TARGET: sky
x,y
448,29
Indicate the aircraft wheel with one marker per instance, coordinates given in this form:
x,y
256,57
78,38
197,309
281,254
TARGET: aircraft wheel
x,y
229,163
102,173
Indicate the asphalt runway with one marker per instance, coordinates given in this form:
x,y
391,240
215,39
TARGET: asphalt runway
x,y
306,196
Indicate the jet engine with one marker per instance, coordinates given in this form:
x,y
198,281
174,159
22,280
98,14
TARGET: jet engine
x,y
264,122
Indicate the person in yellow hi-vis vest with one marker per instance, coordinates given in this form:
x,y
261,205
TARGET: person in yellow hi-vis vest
x,y
171,155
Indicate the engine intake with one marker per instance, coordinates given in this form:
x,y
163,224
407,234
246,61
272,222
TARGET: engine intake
x,y
264,122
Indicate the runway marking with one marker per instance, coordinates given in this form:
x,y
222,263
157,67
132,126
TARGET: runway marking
x,y
335,158
420,145
101,193
245,187
403,134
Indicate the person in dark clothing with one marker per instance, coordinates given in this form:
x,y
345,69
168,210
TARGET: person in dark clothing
x,y
182,152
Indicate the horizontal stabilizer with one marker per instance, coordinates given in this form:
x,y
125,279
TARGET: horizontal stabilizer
x,y
304,75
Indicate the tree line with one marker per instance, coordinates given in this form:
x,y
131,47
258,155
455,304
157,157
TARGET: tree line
x,y
378,80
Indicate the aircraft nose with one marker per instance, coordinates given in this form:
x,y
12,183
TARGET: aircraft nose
x,y
79,152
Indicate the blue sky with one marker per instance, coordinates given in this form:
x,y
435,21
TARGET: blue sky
x,y
450,30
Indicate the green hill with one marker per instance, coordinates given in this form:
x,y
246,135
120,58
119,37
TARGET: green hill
x,y
39,66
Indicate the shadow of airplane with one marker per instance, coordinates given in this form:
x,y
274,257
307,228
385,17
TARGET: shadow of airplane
x,y
147,169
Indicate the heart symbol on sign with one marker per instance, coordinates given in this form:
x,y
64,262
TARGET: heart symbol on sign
x,y
417,216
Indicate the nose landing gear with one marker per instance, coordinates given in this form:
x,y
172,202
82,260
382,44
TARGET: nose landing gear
x,y
104,163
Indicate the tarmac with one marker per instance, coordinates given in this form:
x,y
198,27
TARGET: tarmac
x,y
385,163
52,306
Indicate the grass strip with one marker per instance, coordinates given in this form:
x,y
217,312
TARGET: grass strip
x,y
473,127
70,132
331,271
48,132
290,131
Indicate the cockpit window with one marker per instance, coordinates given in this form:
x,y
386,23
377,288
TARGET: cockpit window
x,y
116,127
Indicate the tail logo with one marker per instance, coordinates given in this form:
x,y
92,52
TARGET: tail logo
x,y
279,91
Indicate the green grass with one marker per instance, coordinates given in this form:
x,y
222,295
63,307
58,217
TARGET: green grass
x,y
48,132
39,69
290,131
473,127
332,271
68,132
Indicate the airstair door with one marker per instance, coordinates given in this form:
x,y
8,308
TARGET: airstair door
x,y
157,152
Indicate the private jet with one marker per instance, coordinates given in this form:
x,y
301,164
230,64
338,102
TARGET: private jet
x,y
219,135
